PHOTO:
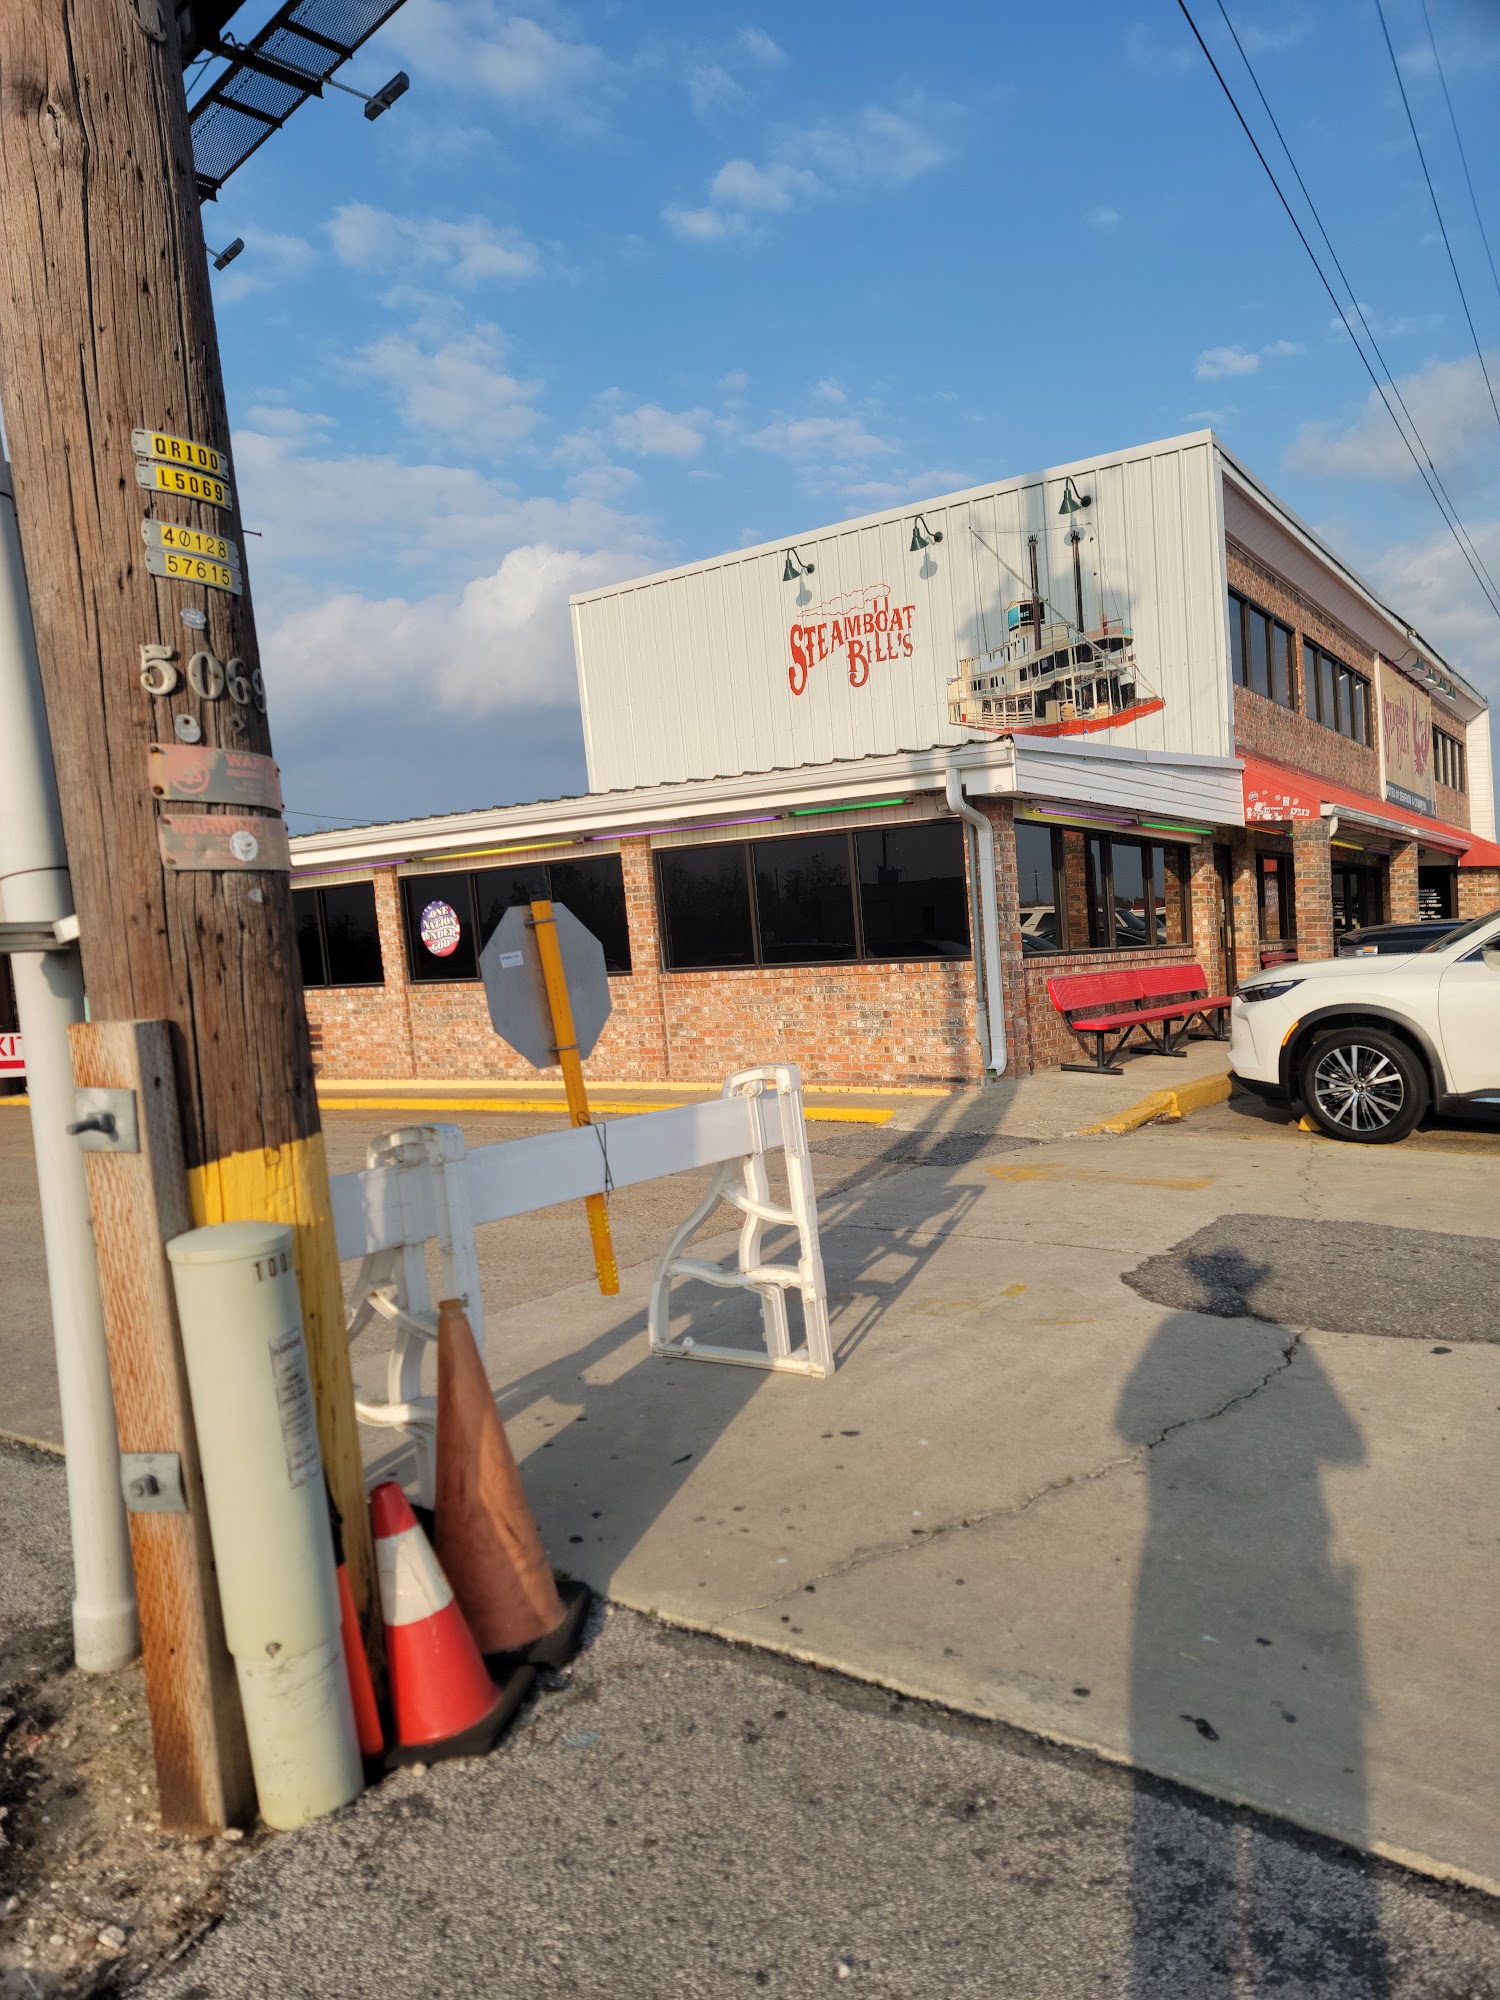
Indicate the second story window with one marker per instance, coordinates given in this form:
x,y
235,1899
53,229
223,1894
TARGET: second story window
x,y
1337,695
1260,652
1448,761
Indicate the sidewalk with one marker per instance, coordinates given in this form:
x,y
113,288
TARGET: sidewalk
x,y
1250,1557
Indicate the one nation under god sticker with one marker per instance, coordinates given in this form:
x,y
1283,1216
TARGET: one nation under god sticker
x,y
189,485
227,841
213,777
178,451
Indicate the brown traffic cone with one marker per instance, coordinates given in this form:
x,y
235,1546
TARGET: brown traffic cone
x,y
487,1540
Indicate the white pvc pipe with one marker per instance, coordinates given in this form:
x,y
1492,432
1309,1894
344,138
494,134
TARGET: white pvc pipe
x,y
34,887
989,990
241,1319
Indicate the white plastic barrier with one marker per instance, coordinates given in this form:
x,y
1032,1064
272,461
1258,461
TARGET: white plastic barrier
x,y
422,1185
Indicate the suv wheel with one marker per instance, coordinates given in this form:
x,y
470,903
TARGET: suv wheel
x,y
1364,1084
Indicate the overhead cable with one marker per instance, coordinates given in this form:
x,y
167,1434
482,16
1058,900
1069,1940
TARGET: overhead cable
x,y
1492,598
1437,211
1451,510
1463,156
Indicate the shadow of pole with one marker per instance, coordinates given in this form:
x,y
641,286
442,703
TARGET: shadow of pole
x,y
1246,1668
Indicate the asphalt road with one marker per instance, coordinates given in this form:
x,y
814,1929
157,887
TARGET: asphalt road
x,y
688,1819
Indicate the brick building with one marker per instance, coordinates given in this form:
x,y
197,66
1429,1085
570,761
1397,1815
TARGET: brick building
x,y
854,797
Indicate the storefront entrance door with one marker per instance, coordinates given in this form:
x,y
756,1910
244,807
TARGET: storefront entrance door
x,y
1224,913
1357,899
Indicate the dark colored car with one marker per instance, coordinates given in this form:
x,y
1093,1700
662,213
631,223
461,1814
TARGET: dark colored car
x,y
1376,938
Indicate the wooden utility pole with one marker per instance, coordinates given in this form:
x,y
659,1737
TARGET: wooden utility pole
x,y
107,330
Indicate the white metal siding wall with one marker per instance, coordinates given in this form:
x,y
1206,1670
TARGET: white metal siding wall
x,y
685,675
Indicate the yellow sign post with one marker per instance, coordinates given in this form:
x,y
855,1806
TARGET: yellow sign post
x,y
566,1044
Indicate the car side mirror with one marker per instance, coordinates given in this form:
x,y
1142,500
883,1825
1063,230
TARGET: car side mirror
x,y
1491,957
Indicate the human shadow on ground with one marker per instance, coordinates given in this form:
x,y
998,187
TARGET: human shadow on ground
x,y
657,1420
1246,1673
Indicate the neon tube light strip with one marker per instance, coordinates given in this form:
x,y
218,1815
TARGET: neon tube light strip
x,y
1175,826
1075,818
526,847
859,805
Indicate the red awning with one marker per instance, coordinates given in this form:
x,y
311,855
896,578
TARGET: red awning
x,y
1275,795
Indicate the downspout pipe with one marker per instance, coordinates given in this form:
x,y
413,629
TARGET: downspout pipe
x,y
989,993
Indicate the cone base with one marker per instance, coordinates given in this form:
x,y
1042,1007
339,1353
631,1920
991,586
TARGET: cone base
x,y
555,1648
480,1737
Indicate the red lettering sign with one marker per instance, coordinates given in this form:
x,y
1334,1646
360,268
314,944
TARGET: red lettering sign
x,y
864,626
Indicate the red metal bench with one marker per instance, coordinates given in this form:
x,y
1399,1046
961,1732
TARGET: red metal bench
x,y
1123,996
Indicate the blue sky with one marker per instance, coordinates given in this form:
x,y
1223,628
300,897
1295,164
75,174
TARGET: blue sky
x,y
613,288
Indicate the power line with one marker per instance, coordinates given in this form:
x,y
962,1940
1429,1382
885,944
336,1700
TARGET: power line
x,y
1437,211
1463,156
1451,510
1491,597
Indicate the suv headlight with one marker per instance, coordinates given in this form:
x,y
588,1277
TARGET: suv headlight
x,y
1272,990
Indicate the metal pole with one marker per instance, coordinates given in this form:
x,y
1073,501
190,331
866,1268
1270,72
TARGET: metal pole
x,y
49,997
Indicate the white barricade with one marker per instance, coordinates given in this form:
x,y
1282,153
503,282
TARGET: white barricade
x,y
422,1185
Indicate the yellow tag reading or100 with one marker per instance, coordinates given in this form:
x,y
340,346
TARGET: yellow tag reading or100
x,y
177,451
190,541
192,485
196,569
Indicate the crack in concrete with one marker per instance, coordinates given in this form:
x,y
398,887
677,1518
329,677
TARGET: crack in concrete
x,y
1283,1362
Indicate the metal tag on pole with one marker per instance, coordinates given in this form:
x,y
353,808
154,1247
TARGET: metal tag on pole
x,y
35,894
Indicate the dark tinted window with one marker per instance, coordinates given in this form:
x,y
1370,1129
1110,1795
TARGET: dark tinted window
x,y
804,899
1260,658
351,935
1041,923
1237,637
433,902
309,936
594,890
912,895
1281,685
705,896
1137,894
497,890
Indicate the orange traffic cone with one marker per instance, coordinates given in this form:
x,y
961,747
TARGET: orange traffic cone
x,y
443,1700
356,1662
486,1536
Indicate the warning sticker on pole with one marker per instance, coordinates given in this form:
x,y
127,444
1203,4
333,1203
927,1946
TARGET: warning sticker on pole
x,y
294,1405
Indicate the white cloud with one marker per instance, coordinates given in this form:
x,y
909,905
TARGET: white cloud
x,y
757,43
1102,218
1450,405
1215,362
711,89
481,46
840,437
651,431
503,642
456,387
830,392
267,261
1429,583
473,251
875,148
1279,348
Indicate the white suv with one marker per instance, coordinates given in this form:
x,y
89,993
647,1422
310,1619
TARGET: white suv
x,y
1366,1044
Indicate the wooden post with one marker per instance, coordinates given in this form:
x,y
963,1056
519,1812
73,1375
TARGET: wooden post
x,y
565,1041
139,1200
106,328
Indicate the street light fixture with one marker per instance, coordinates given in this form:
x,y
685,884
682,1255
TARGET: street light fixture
x,y
228,254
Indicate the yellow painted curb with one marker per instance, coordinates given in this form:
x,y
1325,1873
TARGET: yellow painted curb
x,y
31,1443
1168,1104
333,1086
557,1109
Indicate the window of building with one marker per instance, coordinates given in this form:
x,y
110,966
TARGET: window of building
x,y
1275,896
1136,893
1337,695
1437,891
338,939
1260,651
1448,761
1038,866
881,892
450,917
